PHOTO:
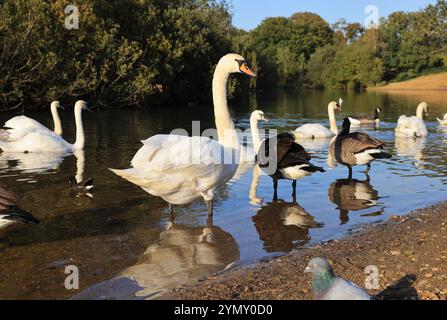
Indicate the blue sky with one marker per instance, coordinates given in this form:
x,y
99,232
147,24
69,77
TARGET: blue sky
x,y
249,13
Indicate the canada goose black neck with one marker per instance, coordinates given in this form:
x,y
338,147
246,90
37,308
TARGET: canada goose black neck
x,y
376,114
346,127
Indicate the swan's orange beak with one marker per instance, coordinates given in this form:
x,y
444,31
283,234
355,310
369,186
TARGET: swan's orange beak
x,y
246,70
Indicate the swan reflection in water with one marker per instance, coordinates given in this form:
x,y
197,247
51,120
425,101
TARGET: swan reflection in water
x,y
182,256
281,225
32,162
412,148
353,195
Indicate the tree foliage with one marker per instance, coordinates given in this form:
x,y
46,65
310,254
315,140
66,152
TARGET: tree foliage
x,y
126,52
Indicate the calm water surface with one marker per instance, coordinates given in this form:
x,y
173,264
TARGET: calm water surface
x,y
121,239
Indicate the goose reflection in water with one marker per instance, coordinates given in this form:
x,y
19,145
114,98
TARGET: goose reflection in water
x,y
283,226
353,195
182,256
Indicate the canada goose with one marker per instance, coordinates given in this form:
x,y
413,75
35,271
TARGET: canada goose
x,y
359,120
443,121
9,212
292,162
356,149
413,127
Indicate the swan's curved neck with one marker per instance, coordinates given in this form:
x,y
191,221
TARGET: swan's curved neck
x,y
255,134
225,128
80,138
332,120
420,112
56,120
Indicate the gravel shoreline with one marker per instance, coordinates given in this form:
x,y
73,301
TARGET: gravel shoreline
x,y
409,251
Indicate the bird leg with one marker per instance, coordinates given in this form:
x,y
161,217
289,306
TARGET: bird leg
x,y
294,189
171,213
210,208
209,222
275,189
350,173
368,169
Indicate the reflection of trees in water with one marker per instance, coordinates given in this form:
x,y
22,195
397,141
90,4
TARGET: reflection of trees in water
x,y
353,195
283,226
181,256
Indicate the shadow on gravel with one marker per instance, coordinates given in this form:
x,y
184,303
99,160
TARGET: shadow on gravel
x,y
402,290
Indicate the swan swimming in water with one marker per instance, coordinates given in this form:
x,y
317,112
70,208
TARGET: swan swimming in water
x,y
25,123
413,127
182,169
34,139
318,131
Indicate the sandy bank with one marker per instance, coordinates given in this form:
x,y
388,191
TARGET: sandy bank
x,y
410,252
430,82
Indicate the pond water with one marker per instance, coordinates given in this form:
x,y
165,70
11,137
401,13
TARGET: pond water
x,y
121,238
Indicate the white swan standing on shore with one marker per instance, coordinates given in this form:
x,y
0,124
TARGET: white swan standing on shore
x,y
443,121
413,127
34,139
318,131
182,169
26,123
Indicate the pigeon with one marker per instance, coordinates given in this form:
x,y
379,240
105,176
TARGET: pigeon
x,y
327,286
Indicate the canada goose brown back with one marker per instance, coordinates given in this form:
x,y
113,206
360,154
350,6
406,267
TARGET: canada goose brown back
x,y
352,149
292,160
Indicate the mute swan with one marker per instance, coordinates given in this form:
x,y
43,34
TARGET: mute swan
x,y
443,121
24,122
356,149
318,131
10,213
357,121
181,169
413,127
42,139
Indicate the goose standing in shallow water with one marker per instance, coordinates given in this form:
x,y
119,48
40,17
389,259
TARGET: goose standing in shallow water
x,y
289,160
356,149
10,213
318,131
413,127
443,121
357,121
182,169
24,123
42,139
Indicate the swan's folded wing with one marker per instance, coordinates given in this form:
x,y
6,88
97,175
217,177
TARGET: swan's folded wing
x,y
180,169
19,127
173,152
